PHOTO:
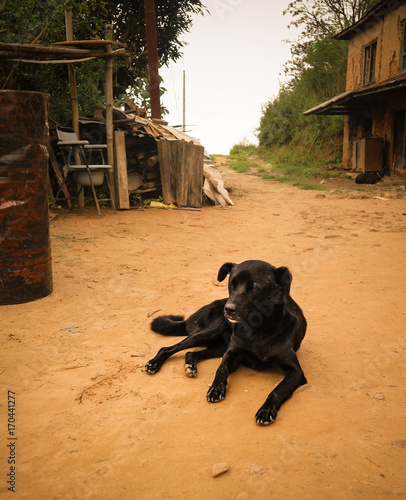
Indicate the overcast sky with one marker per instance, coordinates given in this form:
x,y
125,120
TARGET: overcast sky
x,y
234,63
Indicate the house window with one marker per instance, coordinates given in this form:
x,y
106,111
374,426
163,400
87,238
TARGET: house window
x,y
403,54
369,63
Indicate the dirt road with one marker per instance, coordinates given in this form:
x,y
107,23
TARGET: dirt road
x,y
92,424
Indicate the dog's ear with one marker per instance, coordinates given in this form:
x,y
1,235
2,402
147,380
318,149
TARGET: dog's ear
x,y
224,270
283,278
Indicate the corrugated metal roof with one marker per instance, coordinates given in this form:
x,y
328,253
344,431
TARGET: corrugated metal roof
x,y
344,104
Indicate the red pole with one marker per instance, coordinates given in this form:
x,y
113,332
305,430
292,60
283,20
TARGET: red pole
x,y
152,50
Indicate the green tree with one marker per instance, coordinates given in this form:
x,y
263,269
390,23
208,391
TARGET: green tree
x,y
43,21
322,18
316,71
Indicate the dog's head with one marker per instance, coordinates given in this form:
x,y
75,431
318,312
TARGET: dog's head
x,y
255,289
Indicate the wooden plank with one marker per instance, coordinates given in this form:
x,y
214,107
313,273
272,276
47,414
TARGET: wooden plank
x,y
120,171
182,174
195,175
167,152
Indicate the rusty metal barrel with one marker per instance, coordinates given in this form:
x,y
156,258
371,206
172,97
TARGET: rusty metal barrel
x,y
25,248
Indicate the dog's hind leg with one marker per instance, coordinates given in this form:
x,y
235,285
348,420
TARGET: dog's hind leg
x,y
192,358
201,339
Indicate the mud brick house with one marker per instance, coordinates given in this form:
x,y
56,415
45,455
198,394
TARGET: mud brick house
x,y
374,103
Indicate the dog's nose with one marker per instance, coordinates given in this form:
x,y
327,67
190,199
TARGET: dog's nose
x,y
229,308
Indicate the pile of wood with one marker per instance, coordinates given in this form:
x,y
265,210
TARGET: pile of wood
x,y
213,186
162,157
143,169
142,165
151,156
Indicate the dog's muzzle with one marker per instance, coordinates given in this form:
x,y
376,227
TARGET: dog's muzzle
x,y
231,314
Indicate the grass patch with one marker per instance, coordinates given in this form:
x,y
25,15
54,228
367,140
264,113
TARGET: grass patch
x,y
300,164
240,164
283,178
301,169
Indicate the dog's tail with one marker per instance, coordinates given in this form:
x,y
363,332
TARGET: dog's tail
x,y
169,325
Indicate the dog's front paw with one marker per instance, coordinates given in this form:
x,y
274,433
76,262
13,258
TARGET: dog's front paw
x,y
152,367
216,393
265,415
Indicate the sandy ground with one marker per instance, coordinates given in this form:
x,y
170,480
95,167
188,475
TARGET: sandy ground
x,y
92,424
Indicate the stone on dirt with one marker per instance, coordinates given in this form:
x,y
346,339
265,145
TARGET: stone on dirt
x,y
219,469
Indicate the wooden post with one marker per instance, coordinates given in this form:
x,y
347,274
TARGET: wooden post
x,y
73,91
122,198
72,75
109,107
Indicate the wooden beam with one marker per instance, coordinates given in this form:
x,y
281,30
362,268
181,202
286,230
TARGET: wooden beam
x,y
97,55
73,92
109,107
43,49
85,56
120,168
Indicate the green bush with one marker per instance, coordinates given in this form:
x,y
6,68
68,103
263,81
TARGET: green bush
x,y
243,147
316,76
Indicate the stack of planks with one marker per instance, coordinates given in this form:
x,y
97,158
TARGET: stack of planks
x,y
152,156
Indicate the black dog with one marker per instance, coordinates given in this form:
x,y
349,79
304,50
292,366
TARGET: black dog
x,y
258,325
371,177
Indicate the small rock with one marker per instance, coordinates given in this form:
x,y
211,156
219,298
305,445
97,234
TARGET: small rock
x,y
376,395
219,469
257,469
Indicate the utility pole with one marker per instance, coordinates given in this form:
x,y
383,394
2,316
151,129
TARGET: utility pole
x,y
184,103
152,50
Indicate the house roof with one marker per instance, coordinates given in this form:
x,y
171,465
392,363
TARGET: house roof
x,y
374,15
345,103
